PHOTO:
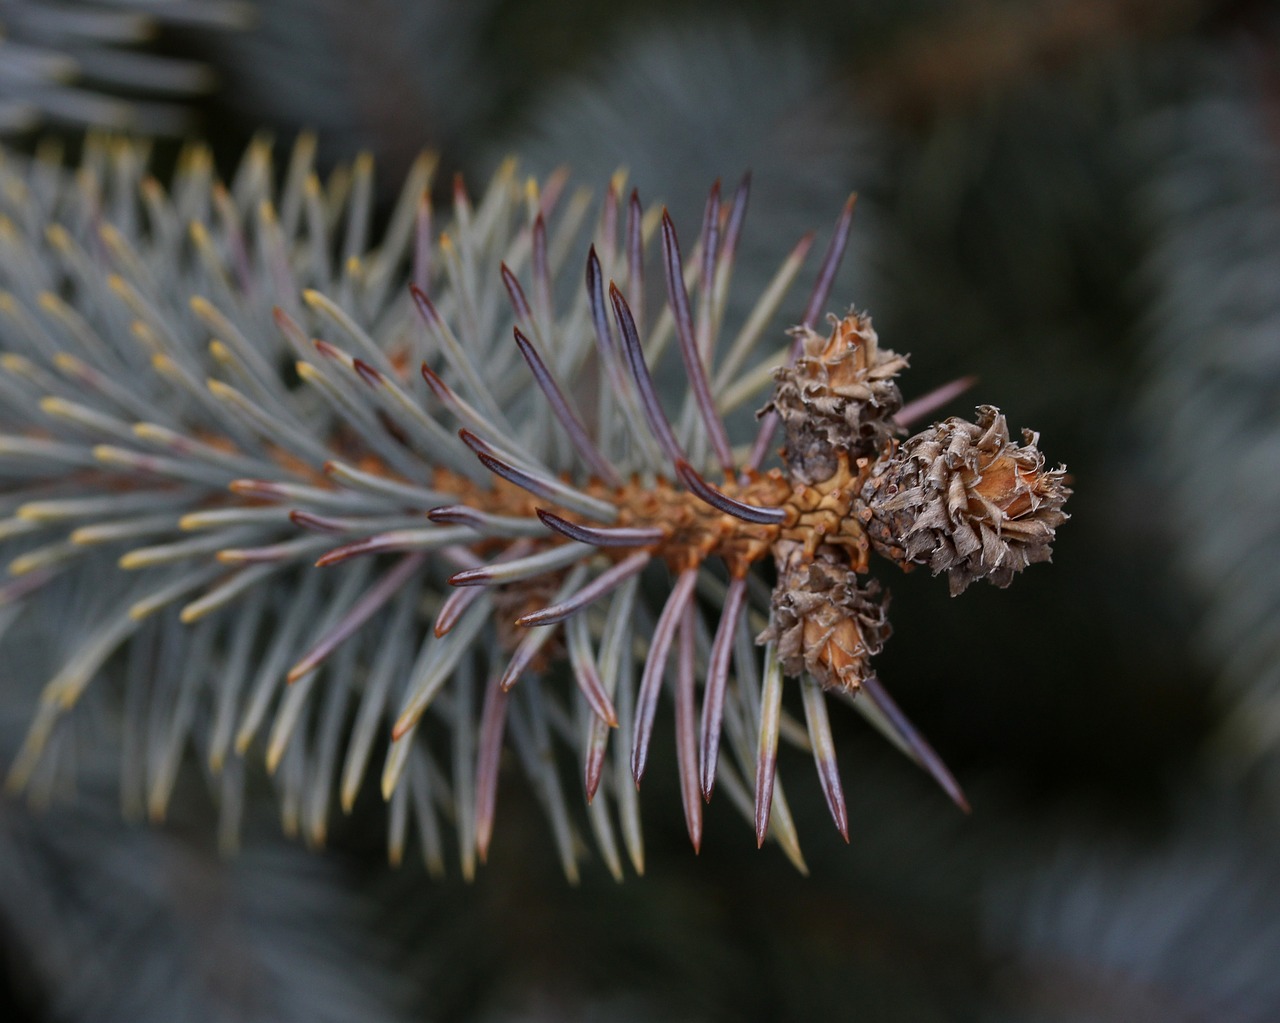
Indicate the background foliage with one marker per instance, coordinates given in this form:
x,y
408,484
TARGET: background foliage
x,y
1079,203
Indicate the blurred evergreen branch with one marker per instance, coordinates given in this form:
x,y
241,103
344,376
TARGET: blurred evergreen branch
x,y
118,922
1212,375
97,65
1182,925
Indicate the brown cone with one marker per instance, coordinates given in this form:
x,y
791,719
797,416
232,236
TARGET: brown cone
x,y
840,394
963,499
826,622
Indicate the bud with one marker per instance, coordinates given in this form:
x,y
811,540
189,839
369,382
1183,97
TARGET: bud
x,y
963,499
826,622
840,394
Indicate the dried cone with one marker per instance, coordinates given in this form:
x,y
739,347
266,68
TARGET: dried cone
x,y
963,499
825,622
840,394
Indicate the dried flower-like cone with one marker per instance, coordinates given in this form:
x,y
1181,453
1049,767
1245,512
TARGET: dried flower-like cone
x,y
962,498
839,395
826,622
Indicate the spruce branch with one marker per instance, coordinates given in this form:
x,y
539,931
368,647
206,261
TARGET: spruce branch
x,y
418,487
